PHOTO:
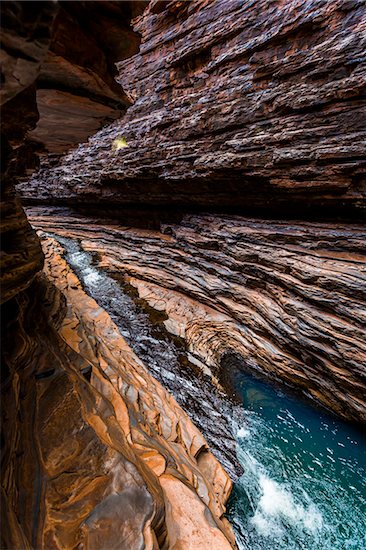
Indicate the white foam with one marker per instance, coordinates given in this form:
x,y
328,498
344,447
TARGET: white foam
x,y
92,277
243,433
277,508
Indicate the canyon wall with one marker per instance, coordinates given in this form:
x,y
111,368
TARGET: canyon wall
x,y
257,106
57,88
254,106
26,36
283,298
251,104
86,431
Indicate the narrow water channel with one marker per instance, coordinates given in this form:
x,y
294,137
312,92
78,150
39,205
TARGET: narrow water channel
x,y
163,355
304,480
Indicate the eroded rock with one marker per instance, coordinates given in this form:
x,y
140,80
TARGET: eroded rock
x,y
26,35
97,453
57,88
257,105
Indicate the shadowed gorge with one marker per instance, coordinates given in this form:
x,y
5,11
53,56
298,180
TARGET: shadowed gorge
x,y
183,274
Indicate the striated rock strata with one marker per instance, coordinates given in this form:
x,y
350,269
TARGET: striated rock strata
x,y
257,104
235,104
285,298
96,453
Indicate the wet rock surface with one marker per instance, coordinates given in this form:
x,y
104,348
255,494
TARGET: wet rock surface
x,y
288,298
257,104
192,383
96,452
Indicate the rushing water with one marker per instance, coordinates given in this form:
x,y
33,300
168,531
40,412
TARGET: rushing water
x,y
164,356
304,481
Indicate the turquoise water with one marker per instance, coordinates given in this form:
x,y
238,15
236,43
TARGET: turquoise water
x,y
304,484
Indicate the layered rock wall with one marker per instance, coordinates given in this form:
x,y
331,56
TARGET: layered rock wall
x,y
287,299
26,36
250,104
95,453
57,88
76,89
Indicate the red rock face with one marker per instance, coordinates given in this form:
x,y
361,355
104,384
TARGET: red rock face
x,y
87,461
253,104
76,89
96,453
286,298
26,36
247,105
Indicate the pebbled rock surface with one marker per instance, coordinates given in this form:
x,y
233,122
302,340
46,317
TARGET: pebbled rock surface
x,y
97,454
252,104
285,298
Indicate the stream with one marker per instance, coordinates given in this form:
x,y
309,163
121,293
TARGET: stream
x,y
164,355
304,480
